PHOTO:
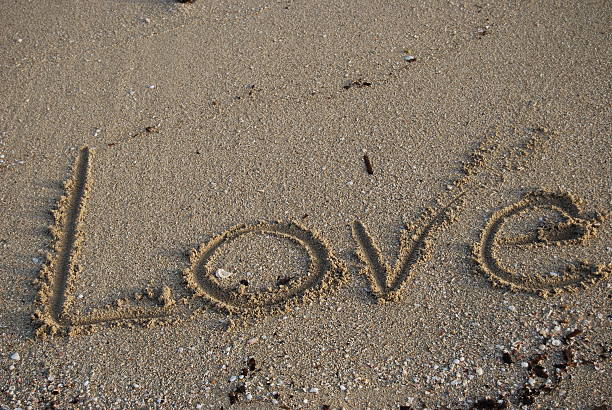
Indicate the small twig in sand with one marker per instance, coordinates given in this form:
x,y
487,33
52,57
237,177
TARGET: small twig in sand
x,y
368,164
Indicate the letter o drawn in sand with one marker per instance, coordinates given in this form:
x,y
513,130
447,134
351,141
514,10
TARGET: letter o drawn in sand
x,y
324,274
575,229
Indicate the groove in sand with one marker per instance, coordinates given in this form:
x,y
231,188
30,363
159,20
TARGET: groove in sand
x,y
71,216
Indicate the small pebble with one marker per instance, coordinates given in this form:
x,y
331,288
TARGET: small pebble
x,y
409,58
479,371
249,396
15,356
556,342
233,379
313,390
524,365
151,86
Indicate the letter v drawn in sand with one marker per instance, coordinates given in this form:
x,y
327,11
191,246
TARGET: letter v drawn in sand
x,y
386,283
416,239
575,229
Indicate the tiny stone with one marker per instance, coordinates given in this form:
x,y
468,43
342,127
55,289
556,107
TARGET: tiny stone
x,y
409,58
524,364
151,86
313,390
233,379
479,371
512,308
456,361
249,396
556,342
15,356
342,387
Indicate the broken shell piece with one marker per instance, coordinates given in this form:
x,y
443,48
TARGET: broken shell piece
x,y
222,273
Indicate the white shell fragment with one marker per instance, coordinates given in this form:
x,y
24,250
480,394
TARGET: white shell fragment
x,y
223,274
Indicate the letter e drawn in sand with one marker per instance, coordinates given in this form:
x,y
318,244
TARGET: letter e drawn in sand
x,y
324,274
575,229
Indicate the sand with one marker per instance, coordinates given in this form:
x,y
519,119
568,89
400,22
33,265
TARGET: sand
x,y
305,205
